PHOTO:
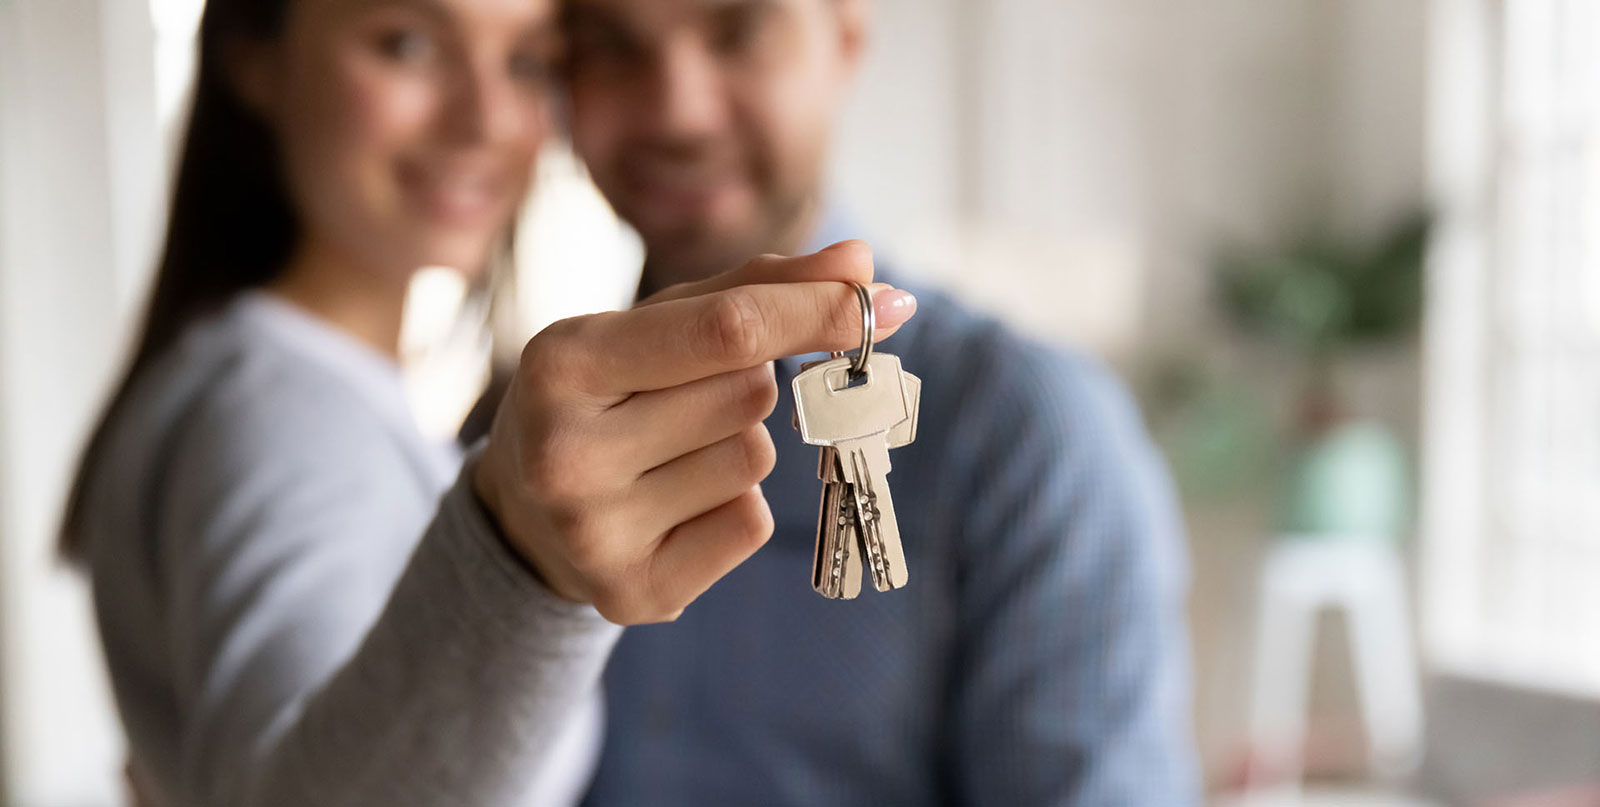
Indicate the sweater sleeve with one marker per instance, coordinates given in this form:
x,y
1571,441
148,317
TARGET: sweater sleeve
x,y
322,653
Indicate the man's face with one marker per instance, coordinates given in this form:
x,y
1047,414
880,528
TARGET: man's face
x,y
705,122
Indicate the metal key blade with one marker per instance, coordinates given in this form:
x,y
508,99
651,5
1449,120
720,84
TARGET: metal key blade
x,y
865,463
836,569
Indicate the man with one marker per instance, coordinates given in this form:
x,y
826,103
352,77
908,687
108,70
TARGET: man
x,y
1038,655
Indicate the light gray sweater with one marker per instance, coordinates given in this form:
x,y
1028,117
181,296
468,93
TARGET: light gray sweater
x,y
294,615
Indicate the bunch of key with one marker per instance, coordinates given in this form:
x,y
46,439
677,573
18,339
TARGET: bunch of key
x,y
855,409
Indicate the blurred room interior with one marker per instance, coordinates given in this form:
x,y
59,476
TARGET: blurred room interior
x,y
1347,252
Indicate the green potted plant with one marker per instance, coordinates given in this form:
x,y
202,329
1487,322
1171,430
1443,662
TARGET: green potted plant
x,y
1322,299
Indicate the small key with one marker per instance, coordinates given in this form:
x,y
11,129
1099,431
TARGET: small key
x,y
836,566
836,571
857,421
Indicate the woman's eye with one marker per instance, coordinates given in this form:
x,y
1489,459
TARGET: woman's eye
x,y
406,45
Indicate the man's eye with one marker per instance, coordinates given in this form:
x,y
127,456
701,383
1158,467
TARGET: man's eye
x,y
593,45
531,67
739,30
407,45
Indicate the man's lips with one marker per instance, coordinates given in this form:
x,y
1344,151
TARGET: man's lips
x,y
687,191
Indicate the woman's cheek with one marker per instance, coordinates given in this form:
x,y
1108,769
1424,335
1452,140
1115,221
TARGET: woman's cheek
x,y
381,117
386,112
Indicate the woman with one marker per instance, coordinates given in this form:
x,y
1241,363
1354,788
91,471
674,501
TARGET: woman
x,y
301,600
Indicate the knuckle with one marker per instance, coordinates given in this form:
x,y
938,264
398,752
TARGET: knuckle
x,y
661,598
757,523
732,326
546,470
760,456
757,393
747,526
557,357
661,607
764,262
597,542
622,608
614,608
544,359
854,261
586,547
566,520
558,478
567,458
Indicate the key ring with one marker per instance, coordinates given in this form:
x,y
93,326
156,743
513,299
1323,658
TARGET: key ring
x,y
869,323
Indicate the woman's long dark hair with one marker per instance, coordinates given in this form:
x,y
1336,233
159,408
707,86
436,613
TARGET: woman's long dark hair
x,y
231,226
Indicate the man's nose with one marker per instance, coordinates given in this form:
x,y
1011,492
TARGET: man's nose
x,y
484,107
687,94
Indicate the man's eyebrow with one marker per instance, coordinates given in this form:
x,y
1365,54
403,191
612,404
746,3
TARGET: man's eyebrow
x,y
577,11
432,8
444,14
755,5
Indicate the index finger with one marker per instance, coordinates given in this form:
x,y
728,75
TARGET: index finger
x,y
847,261
677,341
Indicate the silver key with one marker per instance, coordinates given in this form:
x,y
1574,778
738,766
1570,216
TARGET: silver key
x,y
836,566
857,421
836,571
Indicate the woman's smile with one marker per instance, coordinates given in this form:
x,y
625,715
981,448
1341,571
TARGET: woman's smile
x,y
457,195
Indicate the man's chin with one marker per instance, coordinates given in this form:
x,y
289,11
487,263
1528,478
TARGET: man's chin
x,y
694,253
686,236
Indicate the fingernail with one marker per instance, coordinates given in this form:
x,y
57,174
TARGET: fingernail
x,y
893,307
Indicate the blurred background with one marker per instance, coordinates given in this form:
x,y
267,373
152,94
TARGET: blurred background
x,y
1346,251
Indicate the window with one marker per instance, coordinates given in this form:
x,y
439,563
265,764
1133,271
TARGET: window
x,y
1512,521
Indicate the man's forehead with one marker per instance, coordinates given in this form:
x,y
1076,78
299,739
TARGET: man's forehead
x,y
494,12
651,13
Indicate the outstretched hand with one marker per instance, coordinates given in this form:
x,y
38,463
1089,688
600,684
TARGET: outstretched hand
x,y
624,461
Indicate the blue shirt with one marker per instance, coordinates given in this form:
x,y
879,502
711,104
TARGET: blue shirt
x,y
1037,656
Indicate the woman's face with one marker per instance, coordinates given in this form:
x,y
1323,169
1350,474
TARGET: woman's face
x,y
409,128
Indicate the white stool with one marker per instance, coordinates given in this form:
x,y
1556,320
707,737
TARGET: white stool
x,y
1365,578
